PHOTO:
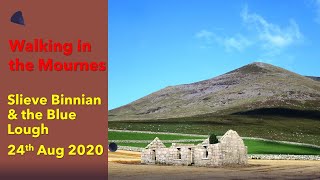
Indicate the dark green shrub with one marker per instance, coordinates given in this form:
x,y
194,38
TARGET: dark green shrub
x,y
213,139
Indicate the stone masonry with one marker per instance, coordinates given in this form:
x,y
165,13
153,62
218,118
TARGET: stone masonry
x,y
229,151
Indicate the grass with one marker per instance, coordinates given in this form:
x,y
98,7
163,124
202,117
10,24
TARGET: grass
x,y
254,146
112,135
271,127
266,147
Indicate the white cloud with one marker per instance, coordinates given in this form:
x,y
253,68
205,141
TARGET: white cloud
x,y
206,37
204,34
238,42
269,37
317,7
231,43
272,36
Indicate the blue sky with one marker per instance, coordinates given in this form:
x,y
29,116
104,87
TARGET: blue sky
x,y
159,43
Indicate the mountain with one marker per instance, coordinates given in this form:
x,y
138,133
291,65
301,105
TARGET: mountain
x,y
253,88
314,78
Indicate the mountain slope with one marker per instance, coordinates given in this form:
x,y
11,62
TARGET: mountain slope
x,y
254,86
314,78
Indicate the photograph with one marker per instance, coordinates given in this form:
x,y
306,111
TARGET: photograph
x,y
212,89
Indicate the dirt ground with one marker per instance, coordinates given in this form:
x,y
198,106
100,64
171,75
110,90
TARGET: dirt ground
x,y
126,165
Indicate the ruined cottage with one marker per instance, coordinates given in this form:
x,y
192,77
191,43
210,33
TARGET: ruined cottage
x,y
229,151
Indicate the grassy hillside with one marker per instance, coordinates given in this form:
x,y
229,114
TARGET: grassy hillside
x,y
144,136
269,127
314,78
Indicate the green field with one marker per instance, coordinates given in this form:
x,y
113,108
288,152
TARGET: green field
x,y
141,145
266,147
254,146
112,135
274,128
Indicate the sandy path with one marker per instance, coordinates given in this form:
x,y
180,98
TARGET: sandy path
x,y
125,165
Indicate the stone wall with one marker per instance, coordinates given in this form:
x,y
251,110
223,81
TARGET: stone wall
x,y
148,156
230,151
181,154
208,155
233,149
175,155
162,156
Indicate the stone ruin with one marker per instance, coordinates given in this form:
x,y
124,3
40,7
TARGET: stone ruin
x,y
229,151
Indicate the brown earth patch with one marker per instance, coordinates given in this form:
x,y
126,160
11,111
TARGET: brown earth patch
x,y
126,165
